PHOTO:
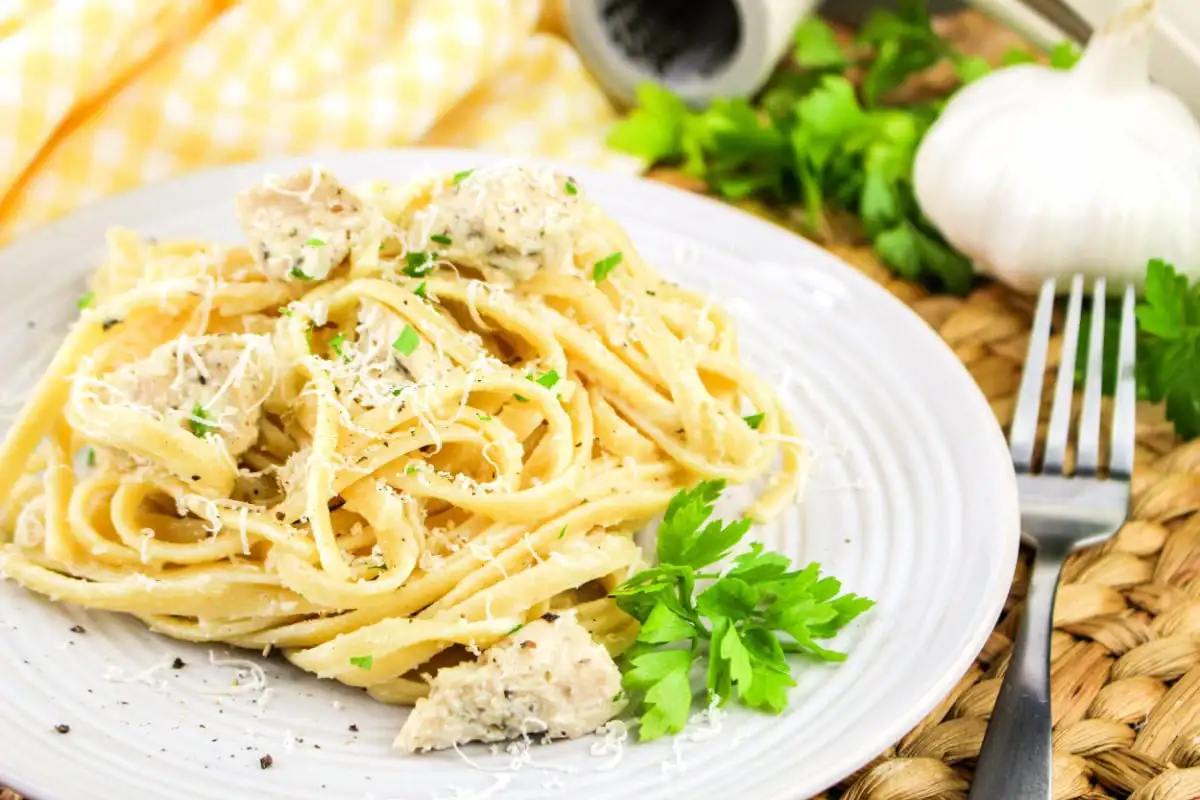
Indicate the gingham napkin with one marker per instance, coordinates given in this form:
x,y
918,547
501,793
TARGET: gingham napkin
x,y
98,96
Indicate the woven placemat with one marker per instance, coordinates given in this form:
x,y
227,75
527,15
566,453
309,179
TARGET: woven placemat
x,y
1126,648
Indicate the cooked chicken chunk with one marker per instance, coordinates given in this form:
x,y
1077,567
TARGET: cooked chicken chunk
x,y
208,384
303,226
513,218
548,679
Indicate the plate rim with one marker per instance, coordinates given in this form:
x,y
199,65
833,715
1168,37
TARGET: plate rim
x,y
110,208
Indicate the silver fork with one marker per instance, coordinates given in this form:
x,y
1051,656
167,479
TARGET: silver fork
x,y
1059,514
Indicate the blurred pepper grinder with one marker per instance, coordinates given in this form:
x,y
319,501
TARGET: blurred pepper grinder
x,y
699,48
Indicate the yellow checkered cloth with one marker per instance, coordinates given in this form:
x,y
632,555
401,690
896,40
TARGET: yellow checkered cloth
x,y
98,96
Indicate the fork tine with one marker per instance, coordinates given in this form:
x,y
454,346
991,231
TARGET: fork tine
x,y
1064,387
1125,405
1087,458
1023,431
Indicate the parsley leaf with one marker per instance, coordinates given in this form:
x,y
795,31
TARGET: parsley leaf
x,y
85,300
682,541
816,47
299,274
441,239
200,422
1065,55
547,379
1169,361
655,128
604,266
459,177
315,242
663,675
741,625
754,420
570,188
417,264
822,134
407,341
362,662
335,344
420,291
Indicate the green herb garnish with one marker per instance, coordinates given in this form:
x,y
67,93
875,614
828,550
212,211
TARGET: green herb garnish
x,y
743,623
417,264
563,532
814,137
547,379
299,274
604,266
420,291
459,177
85,300
336,343
407,341
484,418
91,457
200,422
570,188
315,242
362,662
754,420
441,239
1169,345
520,398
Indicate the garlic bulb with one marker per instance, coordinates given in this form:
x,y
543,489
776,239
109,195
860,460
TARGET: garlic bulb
x,y
1035,172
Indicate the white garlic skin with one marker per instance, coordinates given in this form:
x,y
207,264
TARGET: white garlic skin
x,y
1035,172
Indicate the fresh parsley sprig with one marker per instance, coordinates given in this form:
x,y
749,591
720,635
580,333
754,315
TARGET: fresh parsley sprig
x,y
822,133
1168,359
743,622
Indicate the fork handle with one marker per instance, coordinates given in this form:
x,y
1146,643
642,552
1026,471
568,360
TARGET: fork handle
x,y
1015,761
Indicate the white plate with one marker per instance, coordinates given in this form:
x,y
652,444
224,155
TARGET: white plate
x,y
912,502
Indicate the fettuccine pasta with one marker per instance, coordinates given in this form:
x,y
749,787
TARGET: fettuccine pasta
x,y
388,429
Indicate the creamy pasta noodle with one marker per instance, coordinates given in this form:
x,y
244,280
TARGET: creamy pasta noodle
x,y
395,426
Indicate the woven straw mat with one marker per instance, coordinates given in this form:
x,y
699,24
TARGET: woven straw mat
x,y
1126,650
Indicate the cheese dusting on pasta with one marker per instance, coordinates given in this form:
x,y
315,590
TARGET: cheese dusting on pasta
x,y
392,428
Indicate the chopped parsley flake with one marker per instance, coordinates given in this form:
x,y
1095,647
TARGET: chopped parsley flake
x,y
547,379
459,177
411,469
85,301
604,266
563,532
315,242
417,264
285,311
441,239
362,662
484,418
407,341
336,343
91,457
514,630
570,187
754,420
520,398
199,421
420,291
298,273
